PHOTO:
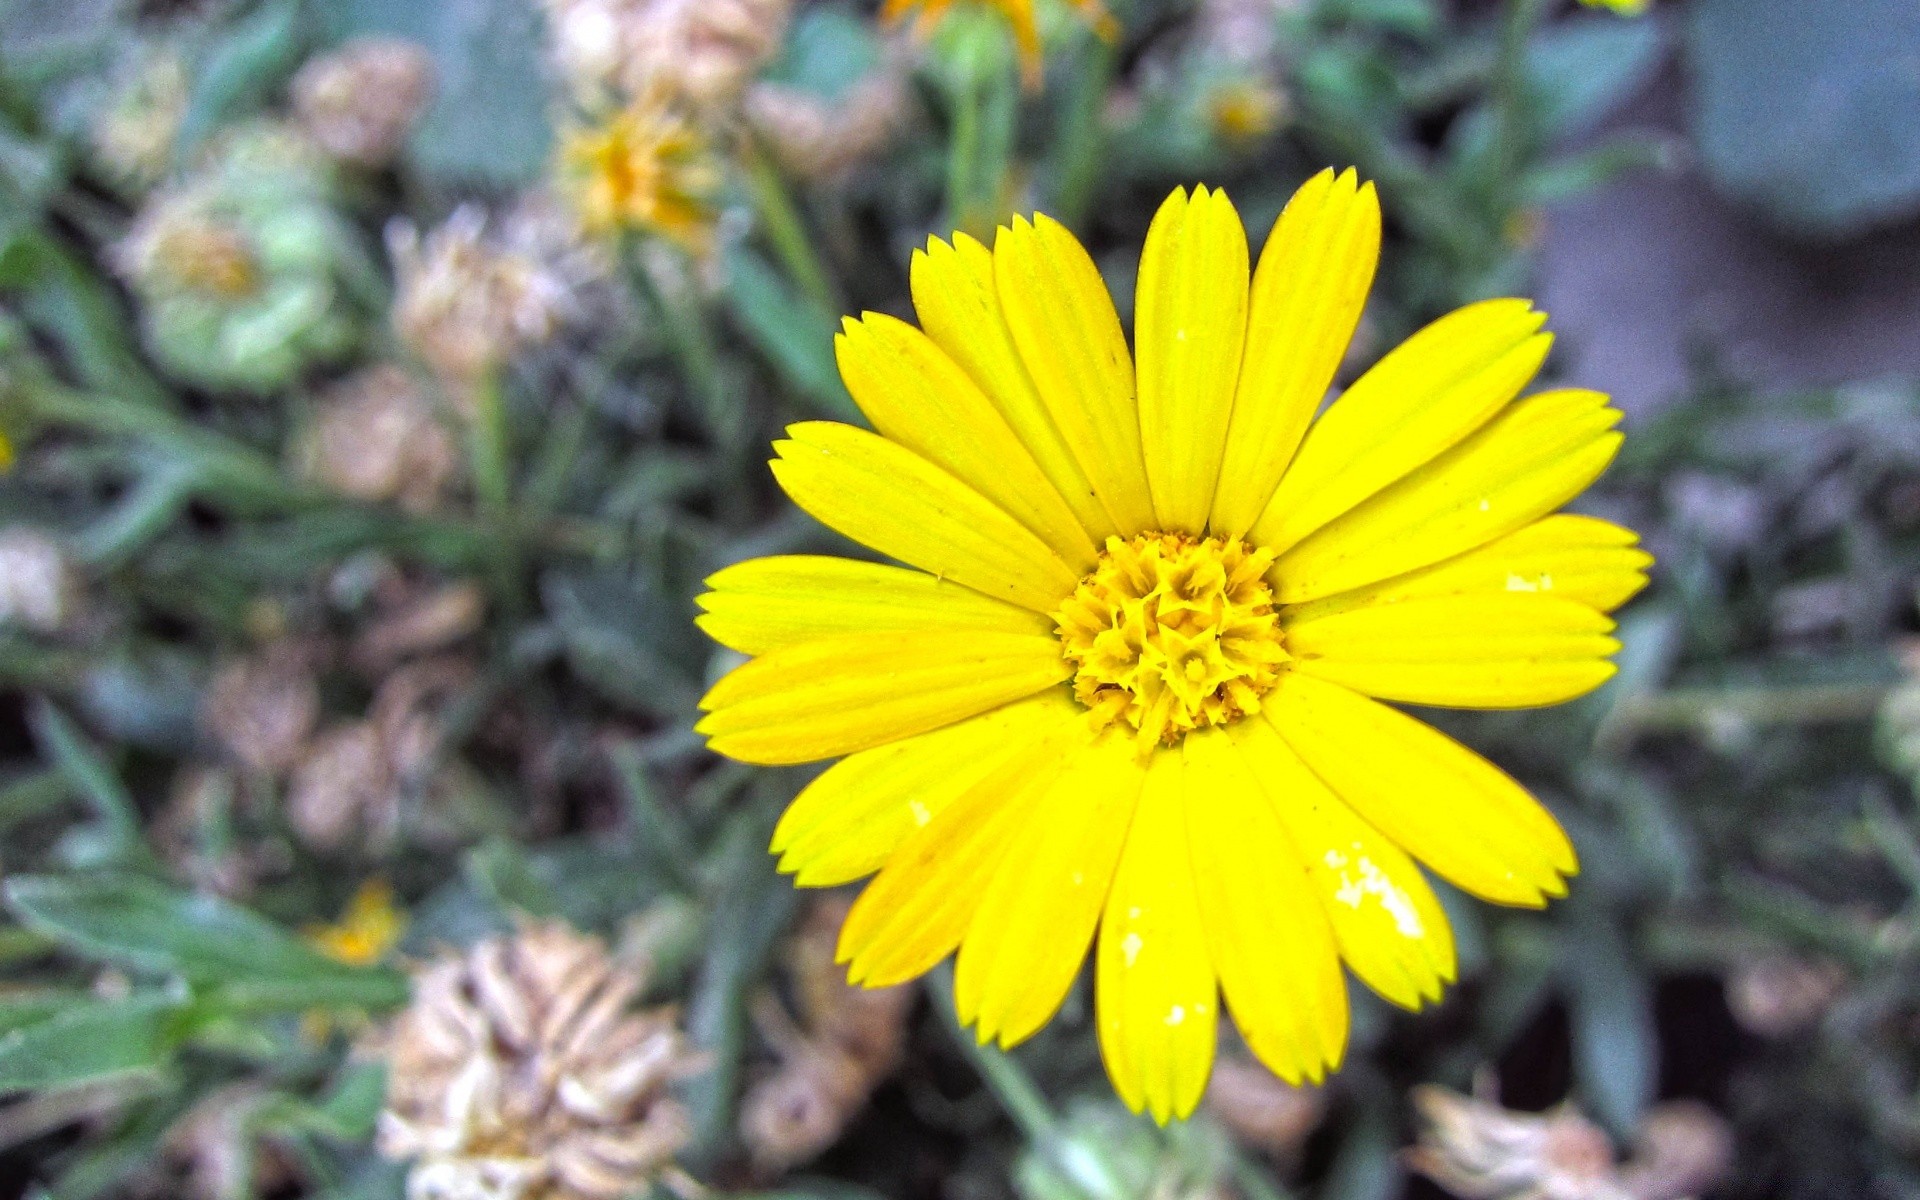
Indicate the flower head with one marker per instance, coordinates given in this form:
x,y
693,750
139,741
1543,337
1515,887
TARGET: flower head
x,y
367,931
1021,17
641,169
360,102
1131,695
701,52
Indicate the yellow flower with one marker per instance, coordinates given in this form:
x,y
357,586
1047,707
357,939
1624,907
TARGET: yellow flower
x,y
367,931
642,169
1626,8
1020,17
6,453
1133,689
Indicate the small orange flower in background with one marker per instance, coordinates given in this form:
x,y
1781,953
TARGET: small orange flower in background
x,y
641,168
368,930
1021,19
1127,693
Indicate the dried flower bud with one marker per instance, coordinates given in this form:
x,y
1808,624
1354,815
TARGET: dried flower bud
x,y
344,788
360,102
1779,995
818,139
135,133
1480,1151
701,53
378,437
1682,1148
848,1039
467,302
39,587
262,709
521,1069
1262,1110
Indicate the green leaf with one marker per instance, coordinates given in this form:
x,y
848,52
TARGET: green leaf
x,y
1580,70
117,819
1615,1054
148,926
253,57
795,337
91,1040
828,50
1811,112
488,121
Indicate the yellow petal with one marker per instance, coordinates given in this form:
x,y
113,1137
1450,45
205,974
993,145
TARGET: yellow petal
x,y
1071,343
1037,916
849,821
1389,925
1155,996
1530,460
1308,293
955,297
1496,650
1270,939
885,496
1424,397
918,907
1189,326
1573,557
768,603
915,395
838,695
1445,805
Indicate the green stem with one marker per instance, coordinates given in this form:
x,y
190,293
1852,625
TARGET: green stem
x,y
1080,144
683,318
786,231
1510,100
1694,708
1005,1078
487,444
985,108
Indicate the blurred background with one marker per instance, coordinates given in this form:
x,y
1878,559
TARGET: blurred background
x,y
379,378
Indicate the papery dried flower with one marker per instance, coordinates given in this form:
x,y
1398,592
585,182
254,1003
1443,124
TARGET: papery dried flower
x,y
39,585
367,931
698,52
1682,1148
1779,995
847,1041
815,138
423,621
1262,1110
642,168
246,274
135,134
345,787
262,709
522,1070
378,437
1480,1151
360,101
466,302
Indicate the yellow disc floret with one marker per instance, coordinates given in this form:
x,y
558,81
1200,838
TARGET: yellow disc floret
x,y
1172,633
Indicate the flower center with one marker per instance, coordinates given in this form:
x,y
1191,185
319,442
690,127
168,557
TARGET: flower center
x,y
1172,633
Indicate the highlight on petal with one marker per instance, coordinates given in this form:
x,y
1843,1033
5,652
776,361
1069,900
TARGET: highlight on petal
x,y
885,496
1584,559
1189,327
765,604
1155,997
918,397
1070,340
839,695
916,910
1390,927
1433,390
955,297
1499,650
1445,805
848,822
1037,914
1308,293
1536,456
1270,940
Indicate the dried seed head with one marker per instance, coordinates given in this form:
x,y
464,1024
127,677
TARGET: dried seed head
x,y
469,298
1779,995
819,139
1262,1110
360,102
39,587
263,708
135,133
344,788
702,53
1480,1151
521,1069
1683,1148
378,437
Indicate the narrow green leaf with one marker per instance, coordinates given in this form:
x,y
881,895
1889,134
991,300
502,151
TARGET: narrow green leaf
x,y
90,1040
76,758
254,57
795,337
